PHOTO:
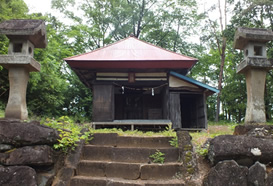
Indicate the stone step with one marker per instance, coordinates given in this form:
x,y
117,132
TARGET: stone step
x,y
126,154
130,171
113,139
102,181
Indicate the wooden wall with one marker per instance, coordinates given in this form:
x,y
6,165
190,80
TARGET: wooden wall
x,y
103,103
175,110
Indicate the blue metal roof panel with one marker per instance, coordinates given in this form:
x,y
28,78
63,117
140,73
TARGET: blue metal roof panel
x,y
195,82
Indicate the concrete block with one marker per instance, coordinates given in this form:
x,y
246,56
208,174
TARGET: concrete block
x,y
123,170
159,171
88,168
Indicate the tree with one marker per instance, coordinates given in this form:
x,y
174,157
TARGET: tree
x,y
10,9
107,21
56,91
257,13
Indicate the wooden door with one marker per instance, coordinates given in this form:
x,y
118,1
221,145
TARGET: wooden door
x,y
103,103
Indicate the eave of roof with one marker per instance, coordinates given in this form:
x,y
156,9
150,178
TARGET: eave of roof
x,y
194,82
136,54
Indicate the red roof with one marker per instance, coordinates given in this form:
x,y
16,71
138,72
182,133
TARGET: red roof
x,y
131,53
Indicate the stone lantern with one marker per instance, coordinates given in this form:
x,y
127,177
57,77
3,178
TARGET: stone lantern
x,y
254,66
24,36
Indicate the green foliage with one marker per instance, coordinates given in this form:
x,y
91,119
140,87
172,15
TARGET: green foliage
x,y
12,9
202,151
135,132
165,23
69,132
68,139
200,137
174,142
158,157
56,90
63,122
2,113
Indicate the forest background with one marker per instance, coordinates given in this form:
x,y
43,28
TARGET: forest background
x,y
176,25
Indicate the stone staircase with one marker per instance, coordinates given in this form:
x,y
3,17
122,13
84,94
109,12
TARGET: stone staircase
x,y
112,160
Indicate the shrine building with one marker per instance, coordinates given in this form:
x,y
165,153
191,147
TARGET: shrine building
x,y
133,81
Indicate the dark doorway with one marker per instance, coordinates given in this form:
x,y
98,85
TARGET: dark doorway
x,y
139,105
133,107
192,111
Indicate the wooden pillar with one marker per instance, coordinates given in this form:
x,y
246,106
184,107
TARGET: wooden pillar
x,y
165,103
103,103
175,110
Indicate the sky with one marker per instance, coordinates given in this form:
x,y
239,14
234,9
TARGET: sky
x,y
36,6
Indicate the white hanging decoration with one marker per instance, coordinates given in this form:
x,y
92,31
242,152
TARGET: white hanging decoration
x,y
122,89
153,92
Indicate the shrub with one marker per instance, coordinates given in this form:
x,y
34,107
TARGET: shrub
x,y
69,132
158,157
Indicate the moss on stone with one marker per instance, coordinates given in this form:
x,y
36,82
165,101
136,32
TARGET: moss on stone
x,y
187,159
187,147
190,170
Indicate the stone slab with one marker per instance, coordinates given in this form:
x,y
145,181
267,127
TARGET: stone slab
x,y
245,150
103,181
257,174
93,169
17,176
123,183
141,155
243,35
99,153
252,62
29,155
160,171
255,130
129,155
87,181
227,173
131,141
123,170
30,29
18,133
5,147
27,61
105,139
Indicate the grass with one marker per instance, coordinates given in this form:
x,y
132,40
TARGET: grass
x,y
199,138
2,114
167,132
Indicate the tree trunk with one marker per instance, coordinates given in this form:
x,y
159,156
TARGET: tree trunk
x,y
223,57
222,51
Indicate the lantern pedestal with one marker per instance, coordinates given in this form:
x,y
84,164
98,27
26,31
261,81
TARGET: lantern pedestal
x,y
255,83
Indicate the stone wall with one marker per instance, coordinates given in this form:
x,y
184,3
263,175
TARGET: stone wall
x,y
242,159
26,154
